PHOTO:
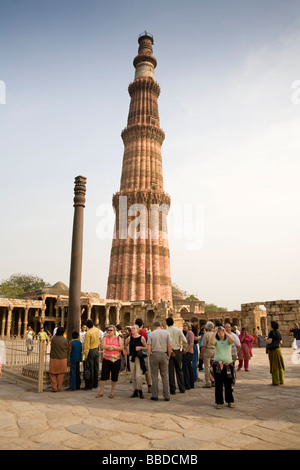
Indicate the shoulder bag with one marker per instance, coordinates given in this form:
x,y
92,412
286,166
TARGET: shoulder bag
x,y
122,359
275,343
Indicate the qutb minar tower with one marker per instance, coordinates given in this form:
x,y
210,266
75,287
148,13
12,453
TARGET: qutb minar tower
x,y
140,257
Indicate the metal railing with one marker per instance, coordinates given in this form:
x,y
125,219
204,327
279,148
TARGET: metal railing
x,y
29,360
26,359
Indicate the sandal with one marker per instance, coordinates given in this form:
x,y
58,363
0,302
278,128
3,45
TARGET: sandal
x,y
219,407
100,395
230,405
111,395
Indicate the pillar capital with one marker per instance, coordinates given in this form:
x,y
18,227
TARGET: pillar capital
x,y
80,191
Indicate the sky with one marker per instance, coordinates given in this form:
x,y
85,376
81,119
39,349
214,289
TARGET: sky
x,y
230,108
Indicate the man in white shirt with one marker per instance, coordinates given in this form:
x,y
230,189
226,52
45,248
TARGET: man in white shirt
x,y
235,347
175,363
101,334
235,330
159,352
82,333
207,353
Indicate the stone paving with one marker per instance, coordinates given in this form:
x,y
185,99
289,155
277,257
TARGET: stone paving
x,y
264,417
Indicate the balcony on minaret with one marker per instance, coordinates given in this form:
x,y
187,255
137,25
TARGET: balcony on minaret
x,y
145,62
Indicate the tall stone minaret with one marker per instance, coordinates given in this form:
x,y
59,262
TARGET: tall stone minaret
x,y
140,258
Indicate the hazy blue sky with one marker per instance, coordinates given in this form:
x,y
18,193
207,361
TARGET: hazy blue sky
x,y
231,117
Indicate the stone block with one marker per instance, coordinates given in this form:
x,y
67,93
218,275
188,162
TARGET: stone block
x,y
290,317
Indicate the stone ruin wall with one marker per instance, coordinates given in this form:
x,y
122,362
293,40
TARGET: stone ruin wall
x,y
285,312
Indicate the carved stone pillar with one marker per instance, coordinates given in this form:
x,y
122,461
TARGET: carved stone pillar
x,y
74,312
62,316
89,311
97,318
118,308
8,323
3,324
107,307
43,313
19,323
56,308
26,310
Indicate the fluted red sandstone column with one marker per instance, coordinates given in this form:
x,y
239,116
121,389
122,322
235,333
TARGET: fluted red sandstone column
x,y
140,267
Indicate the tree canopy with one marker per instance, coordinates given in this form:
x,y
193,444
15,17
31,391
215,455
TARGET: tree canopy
x,y
212,308
19,283
192,297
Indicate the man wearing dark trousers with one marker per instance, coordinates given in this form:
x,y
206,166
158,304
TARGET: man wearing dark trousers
x,y
159,351
175,364
91,356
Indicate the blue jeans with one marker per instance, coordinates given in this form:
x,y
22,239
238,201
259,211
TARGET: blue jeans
x,y
75,380
195,362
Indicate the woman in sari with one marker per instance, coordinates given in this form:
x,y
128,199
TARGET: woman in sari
x,y
255,339
58,359
245,353
276,361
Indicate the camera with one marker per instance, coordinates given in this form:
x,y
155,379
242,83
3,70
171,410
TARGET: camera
x,y
219,328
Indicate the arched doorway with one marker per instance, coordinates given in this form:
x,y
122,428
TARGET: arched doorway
x,y
263,325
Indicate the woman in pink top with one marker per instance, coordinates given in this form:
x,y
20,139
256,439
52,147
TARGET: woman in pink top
x,y
111,345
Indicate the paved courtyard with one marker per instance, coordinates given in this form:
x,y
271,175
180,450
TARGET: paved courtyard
x,y
264,417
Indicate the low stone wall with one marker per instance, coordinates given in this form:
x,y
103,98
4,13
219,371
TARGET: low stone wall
x,y
286,313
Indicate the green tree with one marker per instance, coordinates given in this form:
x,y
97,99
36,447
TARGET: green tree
x,y
10,290
212,308
192,297
19,283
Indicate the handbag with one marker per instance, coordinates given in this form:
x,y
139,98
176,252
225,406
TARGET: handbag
x,y
86,372
122,359
141,354
274,345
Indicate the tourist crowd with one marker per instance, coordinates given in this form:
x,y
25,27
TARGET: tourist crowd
x,y
176,355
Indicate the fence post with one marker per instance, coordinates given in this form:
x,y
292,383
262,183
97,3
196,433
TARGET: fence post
x,y
42,349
